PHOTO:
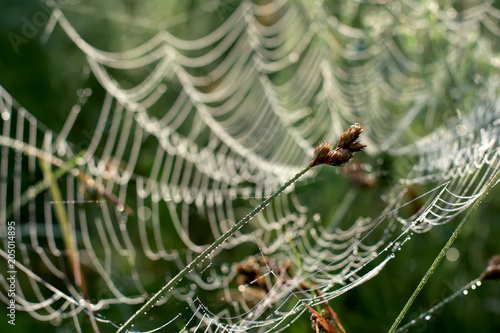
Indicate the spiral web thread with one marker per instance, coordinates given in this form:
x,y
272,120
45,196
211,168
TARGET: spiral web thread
x,y
250,100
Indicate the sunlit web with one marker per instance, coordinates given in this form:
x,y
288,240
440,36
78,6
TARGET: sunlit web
x,y
195,128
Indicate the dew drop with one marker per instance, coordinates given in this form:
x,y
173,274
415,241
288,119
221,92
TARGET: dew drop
x,y
5,115
473,287
478,283
428,317
465,292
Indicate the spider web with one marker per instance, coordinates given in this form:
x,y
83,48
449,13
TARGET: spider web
x,y
194,128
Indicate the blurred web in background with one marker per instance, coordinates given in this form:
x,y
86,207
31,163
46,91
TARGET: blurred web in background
x,y
193,132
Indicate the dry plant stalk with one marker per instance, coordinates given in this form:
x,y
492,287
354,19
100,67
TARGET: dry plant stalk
x,y
318,319
329,321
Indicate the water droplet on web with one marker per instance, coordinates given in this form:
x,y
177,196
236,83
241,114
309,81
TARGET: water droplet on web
x,y
144,212
162,88
120,207
428,317
478,283
465,292
461,130
473,287
56,321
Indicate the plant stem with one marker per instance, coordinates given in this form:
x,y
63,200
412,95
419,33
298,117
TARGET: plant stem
x,y
297,256
67,230
441,254
207,252
45,183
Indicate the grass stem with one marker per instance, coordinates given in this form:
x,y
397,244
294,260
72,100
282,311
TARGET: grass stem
x,y
441,254
207,252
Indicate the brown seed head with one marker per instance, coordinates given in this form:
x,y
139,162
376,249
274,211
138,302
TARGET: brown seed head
x,y
346,147
347,140
321,153
492,272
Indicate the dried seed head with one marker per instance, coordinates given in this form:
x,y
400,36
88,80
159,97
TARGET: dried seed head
x,y
347,140
321,153
340,157
347,145
492,272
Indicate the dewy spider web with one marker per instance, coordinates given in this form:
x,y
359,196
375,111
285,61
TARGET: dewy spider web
x,y
192,132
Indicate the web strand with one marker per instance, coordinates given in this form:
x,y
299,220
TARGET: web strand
x,y
172,140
